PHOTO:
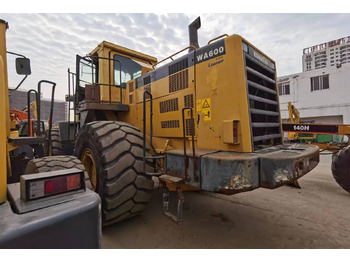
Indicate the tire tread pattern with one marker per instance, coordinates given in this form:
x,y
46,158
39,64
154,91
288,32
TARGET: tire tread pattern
x,y
56,147
341,168
126,189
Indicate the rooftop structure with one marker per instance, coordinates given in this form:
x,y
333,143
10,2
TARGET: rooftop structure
x,y
321,91
332,53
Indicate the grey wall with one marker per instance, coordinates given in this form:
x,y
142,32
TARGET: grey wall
x,y
18,100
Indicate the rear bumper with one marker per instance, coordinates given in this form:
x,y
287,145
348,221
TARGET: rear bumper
x,y
231,172
282,166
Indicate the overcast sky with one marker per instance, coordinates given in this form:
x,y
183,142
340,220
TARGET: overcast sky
x,y
51,41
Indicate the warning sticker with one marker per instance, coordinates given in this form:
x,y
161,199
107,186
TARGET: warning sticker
x,y
207,115
206,103
206,109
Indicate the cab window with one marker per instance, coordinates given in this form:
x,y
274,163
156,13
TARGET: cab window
x,y
129,70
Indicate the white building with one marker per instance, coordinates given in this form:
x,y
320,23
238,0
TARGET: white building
x,y
333,53
321,93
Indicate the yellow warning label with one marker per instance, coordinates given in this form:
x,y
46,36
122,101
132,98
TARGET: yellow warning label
x,y
206,103
207,114
206,109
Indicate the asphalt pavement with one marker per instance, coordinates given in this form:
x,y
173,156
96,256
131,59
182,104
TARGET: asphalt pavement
x,y
315,216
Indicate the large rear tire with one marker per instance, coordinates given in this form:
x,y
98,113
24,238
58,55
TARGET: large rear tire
x,y
341,168
112,153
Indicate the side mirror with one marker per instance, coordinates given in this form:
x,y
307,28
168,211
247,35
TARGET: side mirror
x,y
23,66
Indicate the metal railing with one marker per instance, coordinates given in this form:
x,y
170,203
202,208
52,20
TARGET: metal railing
x,y
171,57
91,60
186,160
155,157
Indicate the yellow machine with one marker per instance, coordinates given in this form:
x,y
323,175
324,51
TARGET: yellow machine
x,y
314,129
209,120
340,151
43,200
33,108
294,117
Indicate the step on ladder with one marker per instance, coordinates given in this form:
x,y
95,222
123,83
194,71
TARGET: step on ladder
x,y
164,178
177,181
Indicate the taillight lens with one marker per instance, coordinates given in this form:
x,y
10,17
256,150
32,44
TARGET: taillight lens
x,y
62,184
51,183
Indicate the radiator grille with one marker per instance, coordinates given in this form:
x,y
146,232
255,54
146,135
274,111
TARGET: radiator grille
x,y
131,87
178,66
178,81
188,101
170,124
263,104
189,127
169,105
147,80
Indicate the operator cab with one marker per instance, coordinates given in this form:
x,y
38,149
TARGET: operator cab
x,y
99,91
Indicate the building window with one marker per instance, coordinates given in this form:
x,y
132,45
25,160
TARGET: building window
x,y
283,88
319,82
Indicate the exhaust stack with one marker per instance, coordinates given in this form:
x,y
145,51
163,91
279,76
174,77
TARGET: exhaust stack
x,y
193,34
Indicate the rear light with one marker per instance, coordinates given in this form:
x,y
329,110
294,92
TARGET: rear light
x,y
49,187
62,184
46,184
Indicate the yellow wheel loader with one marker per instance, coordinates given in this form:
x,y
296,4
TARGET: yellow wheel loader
x,y
44,202
207,119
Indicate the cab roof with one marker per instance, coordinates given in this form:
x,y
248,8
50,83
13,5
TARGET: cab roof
x,y
124,50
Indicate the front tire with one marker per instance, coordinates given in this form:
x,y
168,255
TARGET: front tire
x,y
112,154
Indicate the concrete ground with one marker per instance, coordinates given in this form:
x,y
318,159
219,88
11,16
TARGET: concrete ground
x,y
315,216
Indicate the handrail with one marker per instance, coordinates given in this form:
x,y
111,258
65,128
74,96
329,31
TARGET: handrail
x,y
39,133
171,57
30,131
216,38
186,161
89,59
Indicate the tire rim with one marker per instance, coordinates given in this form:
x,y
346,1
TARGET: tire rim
x,y
88,161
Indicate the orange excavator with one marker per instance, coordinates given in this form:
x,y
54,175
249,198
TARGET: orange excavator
x,y
20,120
17,118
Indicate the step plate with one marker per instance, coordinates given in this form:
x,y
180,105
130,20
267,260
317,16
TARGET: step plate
x,y
172,179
